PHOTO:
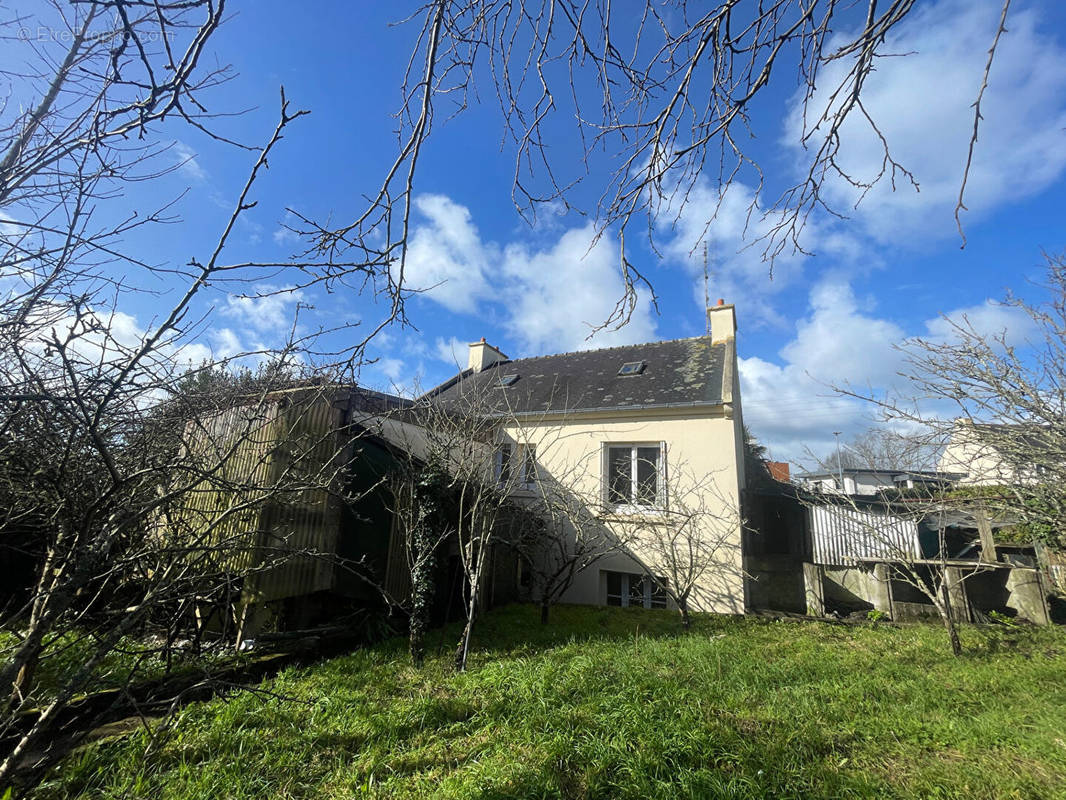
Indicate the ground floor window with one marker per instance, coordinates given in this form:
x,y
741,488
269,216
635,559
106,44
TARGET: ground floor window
x,y
631,589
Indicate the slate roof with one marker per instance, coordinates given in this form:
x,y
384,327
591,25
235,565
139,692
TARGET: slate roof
x,y
679,372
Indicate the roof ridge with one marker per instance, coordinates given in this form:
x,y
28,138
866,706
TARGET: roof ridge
x,y
601,349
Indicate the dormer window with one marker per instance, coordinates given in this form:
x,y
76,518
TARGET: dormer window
x,y
506,380
632,368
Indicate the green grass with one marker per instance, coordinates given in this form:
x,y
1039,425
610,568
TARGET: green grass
x,y
131,660
613,703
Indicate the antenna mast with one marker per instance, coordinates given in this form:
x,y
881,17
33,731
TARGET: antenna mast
x,y
706,290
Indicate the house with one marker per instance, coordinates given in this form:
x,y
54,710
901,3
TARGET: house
x,y
868,482
1000,454
635,433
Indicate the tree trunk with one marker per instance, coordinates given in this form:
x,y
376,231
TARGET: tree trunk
x,y
16,677
464,641
953,634
417,639
421,598
464,646
949,624
544,609
946,614
686,621
946,610
23,682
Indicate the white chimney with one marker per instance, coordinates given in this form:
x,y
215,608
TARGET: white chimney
x,y
723,321
483,355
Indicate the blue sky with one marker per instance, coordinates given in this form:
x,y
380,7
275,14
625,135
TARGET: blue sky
x,y
885,274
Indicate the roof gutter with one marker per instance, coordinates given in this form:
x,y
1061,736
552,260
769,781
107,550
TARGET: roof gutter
x,y
726,408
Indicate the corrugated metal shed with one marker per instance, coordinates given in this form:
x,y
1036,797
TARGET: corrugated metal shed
x,y
300,522
842,535
265,500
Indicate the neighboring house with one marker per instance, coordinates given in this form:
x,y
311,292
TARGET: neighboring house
x,y
865,482
639,434
993,454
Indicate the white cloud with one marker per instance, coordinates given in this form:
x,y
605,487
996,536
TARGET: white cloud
x,y
391,368
922,104
10,232
548,298
452,351
839,344
843,344
395,375
254,229
100,342
446,259
267,309
549,216
792,413
990,320
187,163
555,298
284,234
737,270
225,343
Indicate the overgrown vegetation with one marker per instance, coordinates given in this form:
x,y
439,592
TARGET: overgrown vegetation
x,y
615,703
130,660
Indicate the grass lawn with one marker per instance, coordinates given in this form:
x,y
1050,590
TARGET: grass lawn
x,y
65,655
617,703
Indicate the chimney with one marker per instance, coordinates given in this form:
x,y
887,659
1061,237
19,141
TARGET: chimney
x,y
779,470
723,322
483,355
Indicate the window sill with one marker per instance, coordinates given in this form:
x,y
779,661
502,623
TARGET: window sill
x,y
634,514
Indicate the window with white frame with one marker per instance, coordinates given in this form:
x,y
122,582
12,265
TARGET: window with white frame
x,y
516,465
528,477
504,459
628,589
633,475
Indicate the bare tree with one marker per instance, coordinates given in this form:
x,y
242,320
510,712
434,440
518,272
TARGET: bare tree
x,y
691,546
107,451
658,96
883,539
564,532
883,448
565,537
423,518
986,408
451,488
996,400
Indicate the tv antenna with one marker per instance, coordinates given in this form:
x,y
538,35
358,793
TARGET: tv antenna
x,y
706,289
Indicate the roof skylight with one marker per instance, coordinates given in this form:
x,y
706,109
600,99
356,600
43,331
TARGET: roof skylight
x,y
506,380
632,368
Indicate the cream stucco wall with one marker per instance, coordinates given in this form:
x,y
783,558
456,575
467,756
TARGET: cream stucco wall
x,y
701,448
979,463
